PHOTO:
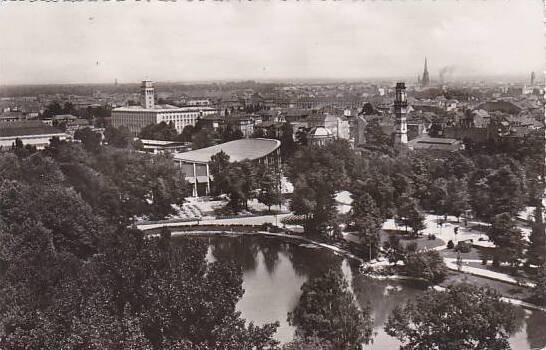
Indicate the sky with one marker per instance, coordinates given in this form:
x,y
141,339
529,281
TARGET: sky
x,y
183,41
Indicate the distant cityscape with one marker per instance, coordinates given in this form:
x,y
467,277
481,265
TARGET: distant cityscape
x,y
456,112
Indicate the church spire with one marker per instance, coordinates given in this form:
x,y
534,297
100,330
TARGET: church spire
x,y
426,79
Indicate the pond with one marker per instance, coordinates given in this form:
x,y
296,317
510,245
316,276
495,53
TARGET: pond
x,y
274,272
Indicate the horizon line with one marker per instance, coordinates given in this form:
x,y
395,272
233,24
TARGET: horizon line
x,y
291,80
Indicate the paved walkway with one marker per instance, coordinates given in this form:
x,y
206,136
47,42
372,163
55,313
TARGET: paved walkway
x,y
251,220
446,232
451,264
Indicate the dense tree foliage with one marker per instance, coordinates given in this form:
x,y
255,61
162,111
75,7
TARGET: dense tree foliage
x,y
366,222
536,251
327,310
161,131
317,174
118,137
409,215
508,238
461,318
428,266
72,275
91,140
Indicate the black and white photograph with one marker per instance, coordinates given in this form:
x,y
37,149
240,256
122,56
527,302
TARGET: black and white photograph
x,y
272,175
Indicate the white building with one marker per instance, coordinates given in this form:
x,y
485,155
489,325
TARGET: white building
x,y
135,118
30,132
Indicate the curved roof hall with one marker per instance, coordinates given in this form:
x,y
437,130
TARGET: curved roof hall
x,y
238,150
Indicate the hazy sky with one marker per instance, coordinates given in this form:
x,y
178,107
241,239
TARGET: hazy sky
x,y
185,41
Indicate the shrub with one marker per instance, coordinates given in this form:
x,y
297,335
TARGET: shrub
x,y
432,237
464,247
450,245
411,247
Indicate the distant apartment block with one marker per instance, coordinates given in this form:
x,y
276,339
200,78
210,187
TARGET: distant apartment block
x,y
135,118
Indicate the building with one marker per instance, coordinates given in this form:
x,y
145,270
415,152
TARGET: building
x,y
435,145
320,136
337,125
135,118
425,81
242,123
160,146
400,111
30,132
195,164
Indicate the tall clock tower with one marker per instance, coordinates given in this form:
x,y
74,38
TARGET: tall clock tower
x,y
147,94
400,112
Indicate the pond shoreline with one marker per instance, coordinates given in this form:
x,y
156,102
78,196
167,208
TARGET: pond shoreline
x,y
254,231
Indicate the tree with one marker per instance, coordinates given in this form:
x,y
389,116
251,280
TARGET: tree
x,y
118,137
457,200
186,134
301,137
137,293
508,238
202,138
408,214
437,196
366,220
160,131
327,310
218,164
288,145
495,192
269,184
91,140
462,317
427,265
537,245
317,174
394,251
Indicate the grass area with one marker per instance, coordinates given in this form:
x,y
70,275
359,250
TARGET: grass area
x,y
507,269
506,289
474,253
422,241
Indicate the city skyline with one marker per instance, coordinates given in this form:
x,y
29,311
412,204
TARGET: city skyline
x,y
95,43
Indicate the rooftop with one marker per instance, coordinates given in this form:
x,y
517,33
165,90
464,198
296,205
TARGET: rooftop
x,y
238,150
162,108
435,143
24,128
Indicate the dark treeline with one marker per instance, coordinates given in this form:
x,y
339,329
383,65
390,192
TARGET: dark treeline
x,y
74,275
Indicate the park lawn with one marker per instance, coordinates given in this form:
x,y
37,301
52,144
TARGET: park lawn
x,y
474,253
422,241
506,289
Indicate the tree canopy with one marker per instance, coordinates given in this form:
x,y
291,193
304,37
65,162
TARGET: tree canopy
x,y
463,317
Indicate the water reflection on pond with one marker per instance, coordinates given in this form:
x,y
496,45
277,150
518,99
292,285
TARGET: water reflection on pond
x,y
274,272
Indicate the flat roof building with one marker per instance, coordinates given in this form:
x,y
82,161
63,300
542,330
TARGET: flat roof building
x,y
135,118
30,132
435,144
195,164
